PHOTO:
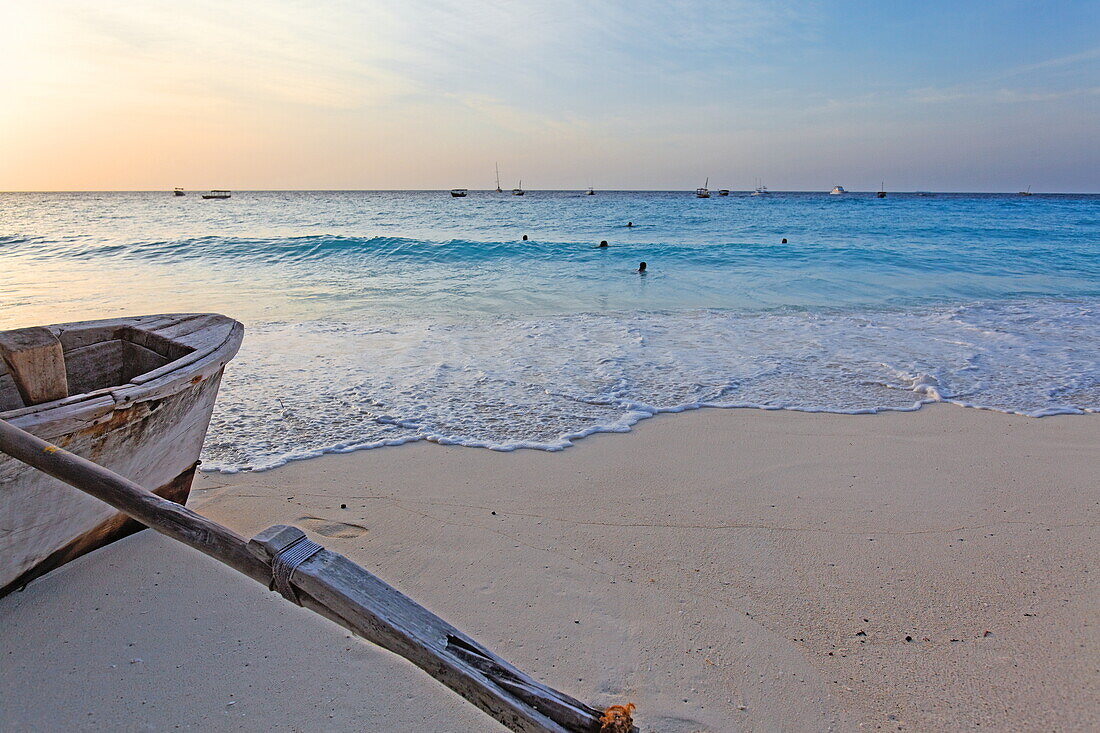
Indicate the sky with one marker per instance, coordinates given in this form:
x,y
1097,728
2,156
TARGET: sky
x,y
564,94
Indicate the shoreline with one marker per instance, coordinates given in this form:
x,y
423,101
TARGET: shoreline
x,y
628,425
730,569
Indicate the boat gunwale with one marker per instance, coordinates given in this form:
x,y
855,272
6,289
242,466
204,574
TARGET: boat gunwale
x,y
196,365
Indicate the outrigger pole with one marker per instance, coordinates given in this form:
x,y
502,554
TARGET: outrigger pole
x,y
283,559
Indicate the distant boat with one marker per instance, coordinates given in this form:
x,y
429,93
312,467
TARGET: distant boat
x,y
761,190
215,194
703,193
881,191
590,192
724,192
498,178
518,191
837,190
179,191
1025,193
459,193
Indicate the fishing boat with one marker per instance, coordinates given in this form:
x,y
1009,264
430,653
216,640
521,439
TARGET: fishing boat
x,y
881,191
131,394
459,193
179,191
837,190
216,194
704,192
519,190
590,192
497,165
724,192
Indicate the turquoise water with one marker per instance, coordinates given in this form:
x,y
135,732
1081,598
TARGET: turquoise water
x,y
383,317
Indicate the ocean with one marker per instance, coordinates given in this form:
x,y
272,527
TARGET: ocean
x,y
377,318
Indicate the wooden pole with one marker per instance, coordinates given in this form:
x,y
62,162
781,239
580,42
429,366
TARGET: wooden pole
x,y
333,586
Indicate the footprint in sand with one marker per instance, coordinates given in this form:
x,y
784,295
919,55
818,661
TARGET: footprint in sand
x,y
331,528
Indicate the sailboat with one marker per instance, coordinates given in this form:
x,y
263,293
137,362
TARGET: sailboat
x,y
590,192
498,178
703,193
1025,193
518,191
881,191
761,190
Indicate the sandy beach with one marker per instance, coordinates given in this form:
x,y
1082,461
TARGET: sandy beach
x,y
721,569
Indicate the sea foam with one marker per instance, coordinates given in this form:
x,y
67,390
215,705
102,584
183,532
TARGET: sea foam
x,y
298,390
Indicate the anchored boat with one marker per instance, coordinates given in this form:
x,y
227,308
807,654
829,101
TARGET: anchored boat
x,y
131,394
704,192
217,194
459,193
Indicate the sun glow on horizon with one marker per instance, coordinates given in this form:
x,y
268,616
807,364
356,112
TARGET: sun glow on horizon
x,y
150,95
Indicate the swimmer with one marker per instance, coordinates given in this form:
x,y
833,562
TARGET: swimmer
x,y
524,237
784,240
630,223
641,268
603,242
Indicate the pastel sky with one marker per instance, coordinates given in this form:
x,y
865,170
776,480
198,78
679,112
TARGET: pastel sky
x,y
151,94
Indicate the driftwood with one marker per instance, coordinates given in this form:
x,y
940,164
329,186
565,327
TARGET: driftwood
x,y
333,586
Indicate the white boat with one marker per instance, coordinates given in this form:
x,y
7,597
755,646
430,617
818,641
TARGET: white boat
x,y
459,193
216,194
519,190
590,192
131,394
760,191
837,190
179,191
703,193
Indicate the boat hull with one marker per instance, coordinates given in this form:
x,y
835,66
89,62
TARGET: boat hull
x,y
151,433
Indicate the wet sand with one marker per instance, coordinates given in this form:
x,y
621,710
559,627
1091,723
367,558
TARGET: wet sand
x,y
722,569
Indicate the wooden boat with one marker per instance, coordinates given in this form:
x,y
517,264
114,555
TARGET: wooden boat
x,y
1024,193
519,190
179,191
881,194
723,192
131,394
703,193
217,195
459,193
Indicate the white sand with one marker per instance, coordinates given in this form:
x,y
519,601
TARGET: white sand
x,y
705,563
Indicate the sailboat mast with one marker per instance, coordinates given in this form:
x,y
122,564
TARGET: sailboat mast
x,y
497,166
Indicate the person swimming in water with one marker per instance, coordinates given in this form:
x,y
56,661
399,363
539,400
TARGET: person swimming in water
x,y
784,240
603,242
630,223
524,237
641,268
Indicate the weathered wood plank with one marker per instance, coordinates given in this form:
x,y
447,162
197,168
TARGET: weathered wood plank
x,y
383,615
36,363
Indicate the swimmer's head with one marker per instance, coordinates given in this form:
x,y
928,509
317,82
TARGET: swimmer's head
x,y
603,242
524,237
641,267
